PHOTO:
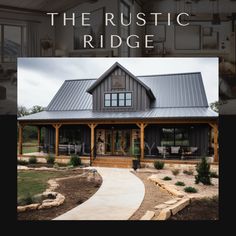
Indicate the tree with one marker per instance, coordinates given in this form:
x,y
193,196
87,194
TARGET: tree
x,y
22,111
203,170
215,106
36,109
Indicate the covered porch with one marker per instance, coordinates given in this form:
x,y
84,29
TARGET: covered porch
x,y
168,140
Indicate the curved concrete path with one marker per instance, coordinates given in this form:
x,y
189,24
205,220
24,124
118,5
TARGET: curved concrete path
x,y
119,196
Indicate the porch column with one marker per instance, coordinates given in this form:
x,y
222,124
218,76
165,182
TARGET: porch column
x,y
20,140
215,129
142,127
39,137
56,126
92,127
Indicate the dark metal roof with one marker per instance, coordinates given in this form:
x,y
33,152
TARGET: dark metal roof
x,y
199,112
177,96
177,90
173,90
72,96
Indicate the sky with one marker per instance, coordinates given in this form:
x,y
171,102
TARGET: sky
x,y
40,78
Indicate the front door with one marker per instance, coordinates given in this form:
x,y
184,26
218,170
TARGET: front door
x,y
114,142
121,142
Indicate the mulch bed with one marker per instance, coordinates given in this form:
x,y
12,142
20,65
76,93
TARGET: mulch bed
x,y
199,210
76,191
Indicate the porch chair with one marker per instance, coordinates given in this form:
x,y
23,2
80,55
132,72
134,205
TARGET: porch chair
x,y
162,151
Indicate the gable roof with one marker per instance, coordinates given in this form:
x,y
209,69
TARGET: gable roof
x,y
113,67
171,91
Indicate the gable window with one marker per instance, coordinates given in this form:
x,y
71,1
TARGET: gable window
x,y
118,99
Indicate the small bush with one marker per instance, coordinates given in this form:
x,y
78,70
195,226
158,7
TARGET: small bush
x,y
159,165
190,190
175,172
50,159
213,174
75,160
179,183
188,172
167,178
203,172
22,162
33,160
26,200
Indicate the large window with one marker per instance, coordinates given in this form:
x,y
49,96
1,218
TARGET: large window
x,y
12,42
118,99
174,137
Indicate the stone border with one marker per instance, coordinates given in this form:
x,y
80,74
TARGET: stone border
x,y
49,192
171,207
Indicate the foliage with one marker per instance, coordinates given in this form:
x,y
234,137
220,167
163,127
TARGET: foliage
x,y
36,109
50,159
22,111
32,160
159,165
215,106
179,183
190,190
188,172
175,172
213,174
167,178
28,199
22,162
203,170
75,160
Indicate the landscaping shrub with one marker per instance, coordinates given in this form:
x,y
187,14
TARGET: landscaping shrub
x,y
33,160
50,159
179,183
213,174
175,172
75,160
22,162
190,190
159,165
188,172
167,178
203,172
25,201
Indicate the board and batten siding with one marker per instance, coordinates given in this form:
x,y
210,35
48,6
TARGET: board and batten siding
x,y
140,99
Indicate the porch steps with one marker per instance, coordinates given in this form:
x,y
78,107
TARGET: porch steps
x,y
113,162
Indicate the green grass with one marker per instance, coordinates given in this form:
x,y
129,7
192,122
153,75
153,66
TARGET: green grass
x,y
32,182
28,147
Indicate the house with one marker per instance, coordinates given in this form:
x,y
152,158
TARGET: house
x,y
122,115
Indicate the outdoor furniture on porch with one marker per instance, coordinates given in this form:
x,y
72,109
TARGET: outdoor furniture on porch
x,y
163,151
189,152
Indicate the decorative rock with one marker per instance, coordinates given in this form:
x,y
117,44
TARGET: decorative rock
x,y
28,207
21,208
160,206
148,215
164,214
170,202
48,200
179,205
173,191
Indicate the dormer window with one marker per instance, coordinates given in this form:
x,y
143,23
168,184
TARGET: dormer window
x,y
123,99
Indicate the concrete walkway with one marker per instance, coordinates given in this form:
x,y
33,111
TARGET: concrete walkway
x,y
119,196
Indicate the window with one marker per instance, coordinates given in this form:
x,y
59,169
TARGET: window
x,y
12,41
174,137
118,99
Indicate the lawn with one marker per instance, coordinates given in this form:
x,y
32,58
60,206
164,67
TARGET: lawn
x,y
29,147
32,182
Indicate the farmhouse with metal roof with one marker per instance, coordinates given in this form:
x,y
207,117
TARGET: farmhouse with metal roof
x,y
119,115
